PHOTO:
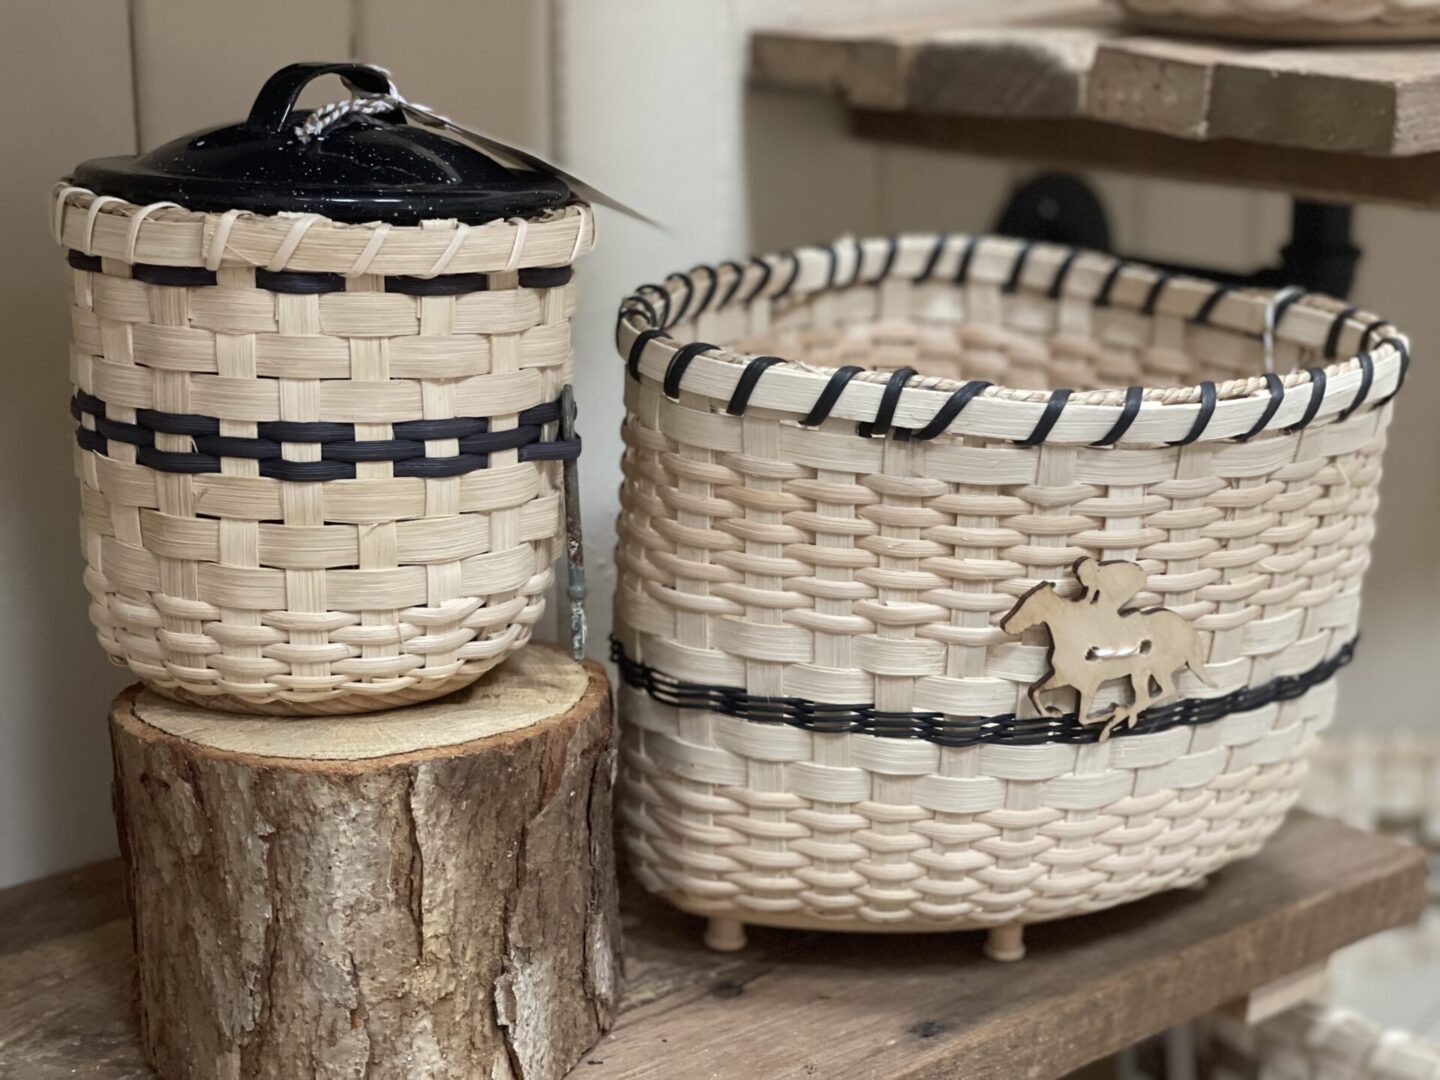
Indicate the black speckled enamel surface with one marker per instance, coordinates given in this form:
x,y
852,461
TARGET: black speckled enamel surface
x,y
363,169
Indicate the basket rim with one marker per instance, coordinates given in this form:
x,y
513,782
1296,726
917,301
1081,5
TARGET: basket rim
x,y
923,407
166,234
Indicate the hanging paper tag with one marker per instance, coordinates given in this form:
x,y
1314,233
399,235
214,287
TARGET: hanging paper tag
x,y
524,158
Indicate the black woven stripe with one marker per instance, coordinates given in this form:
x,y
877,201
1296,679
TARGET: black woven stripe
x,y
1005,729
78,260
180,276
340,451
443,285
298,281
545,277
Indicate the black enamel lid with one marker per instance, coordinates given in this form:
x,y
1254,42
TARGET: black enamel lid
x,y
363,168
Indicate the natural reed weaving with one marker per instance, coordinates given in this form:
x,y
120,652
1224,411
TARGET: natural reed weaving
x,y
319,463
824,722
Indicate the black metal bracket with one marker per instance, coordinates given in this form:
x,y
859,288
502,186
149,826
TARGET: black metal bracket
x,y
1320,257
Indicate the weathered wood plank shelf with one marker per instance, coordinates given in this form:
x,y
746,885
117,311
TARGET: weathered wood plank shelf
x,y
1070,82
816,1004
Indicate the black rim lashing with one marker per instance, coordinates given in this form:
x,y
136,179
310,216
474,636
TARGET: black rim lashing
x,y
967,256
1276,386
1152,298
766,273
885,414
1207,307
739,272
1012,283
749,379
953,407
1005,729
1317,395
1337,327
1134,398
1404,350
668,313
675,370
830,395
1057,283
1048,419
1102,298
340,450
637,348
892,252
937,250
1202,418
794,276
1367,377
682,309
709,295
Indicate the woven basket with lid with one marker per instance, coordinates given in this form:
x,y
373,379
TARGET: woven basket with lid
x,y
318,405
825,723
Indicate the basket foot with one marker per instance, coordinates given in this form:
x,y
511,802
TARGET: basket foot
x,y
1006,943
724,934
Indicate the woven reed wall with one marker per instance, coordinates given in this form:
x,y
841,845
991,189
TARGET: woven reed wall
x,y
743,170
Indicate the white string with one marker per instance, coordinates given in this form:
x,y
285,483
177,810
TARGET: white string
x,y
1279,298
586,215
132,234
61,193
449,253
292,240
216,253
324,118
372,248
521,227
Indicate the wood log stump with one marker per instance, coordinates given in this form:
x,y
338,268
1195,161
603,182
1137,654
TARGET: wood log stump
x,y
428,892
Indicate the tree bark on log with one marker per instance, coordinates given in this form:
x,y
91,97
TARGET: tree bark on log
x,y
446,912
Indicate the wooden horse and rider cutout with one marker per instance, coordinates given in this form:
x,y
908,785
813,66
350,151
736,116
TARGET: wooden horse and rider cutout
x,y
1094,638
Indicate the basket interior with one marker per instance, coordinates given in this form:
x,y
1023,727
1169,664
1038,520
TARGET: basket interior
x,y
1022,340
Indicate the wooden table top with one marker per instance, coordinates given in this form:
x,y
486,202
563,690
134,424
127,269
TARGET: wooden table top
x,y
813,1004
1069,81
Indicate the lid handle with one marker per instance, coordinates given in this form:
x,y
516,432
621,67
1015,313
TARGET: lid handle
x,y
271,112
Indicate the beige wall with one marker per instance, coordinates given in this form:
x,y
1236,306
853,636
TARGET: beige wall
x,y
642,96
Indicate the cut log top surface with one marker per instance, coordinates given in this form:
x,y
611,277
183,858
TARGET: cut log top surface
x,y
1075,83
531,686
808,1004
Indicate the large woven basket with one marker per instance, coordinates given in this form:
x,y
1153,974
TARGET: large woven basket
x,y
319,462
824,723
1293,20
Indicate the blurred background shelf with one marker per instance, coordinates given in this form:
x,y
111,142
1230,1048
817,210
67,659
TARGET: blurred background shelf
x,y
1066,81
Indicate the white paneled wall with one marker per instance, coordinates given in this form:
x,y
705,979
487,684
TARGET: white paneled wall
x,y
645,98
